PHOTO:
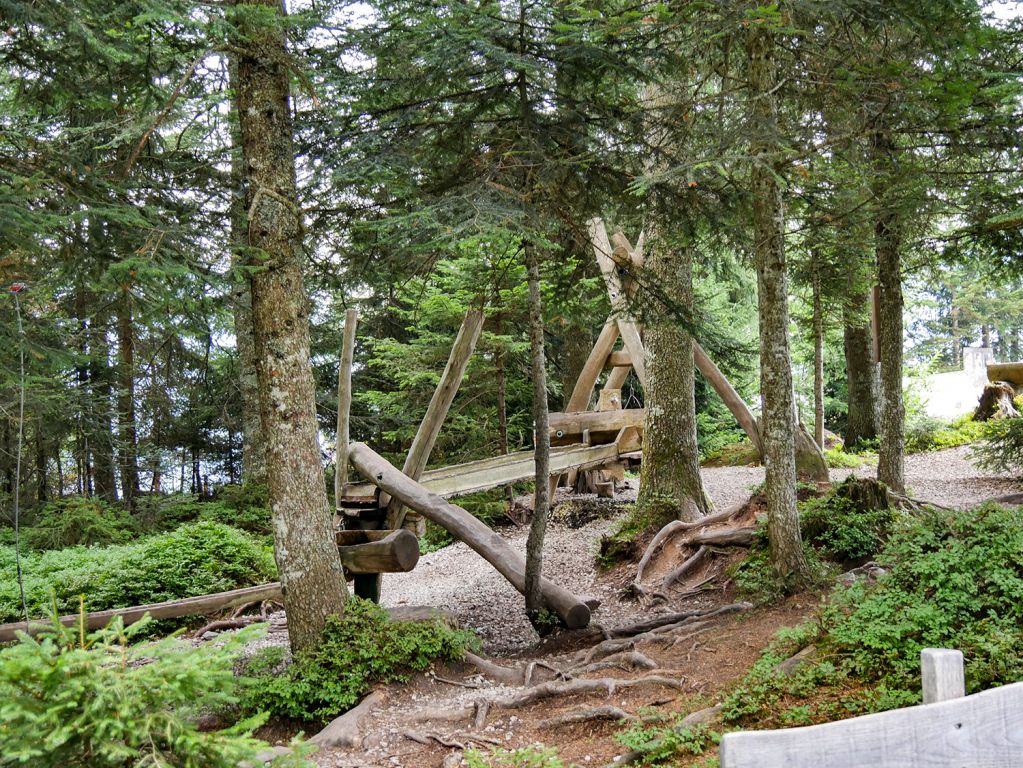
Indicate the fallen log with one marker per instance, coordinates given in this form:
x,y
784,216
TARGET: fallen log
x,y
572,611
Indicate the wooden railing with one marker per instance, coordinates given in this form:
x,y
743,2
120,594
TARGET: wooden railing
x,y
950,730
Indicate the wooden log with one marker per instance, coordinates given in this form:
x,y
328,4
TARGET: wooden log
x,y
395,552
582,392
609,400
728,395
985,729
344,405
618,359
573,423
199,606
437,411
463,526
942,674
619,297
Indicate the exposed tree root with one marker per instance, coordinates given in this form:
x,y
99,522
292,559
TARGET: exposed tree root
x,y
222,624
607,712
700,716
672,619
343,731
726,537
687,567
630,659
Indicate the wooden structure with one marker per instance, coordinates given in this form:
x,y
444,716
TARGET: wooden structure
x,y
948,731
1008,372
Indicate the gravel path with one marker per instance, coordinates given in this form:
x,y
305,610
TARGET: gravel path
x,y
458,580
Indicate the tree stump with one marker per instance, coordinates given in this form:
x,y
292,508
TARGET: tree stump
x,y
996,402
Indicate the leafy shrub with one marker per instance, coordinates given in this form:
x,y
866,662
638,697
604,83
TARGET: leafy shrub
x,y
534,756
956,582
242,506
757,580
195,559
1001,449
78,520
165,513
359,650
927,433
843,529
838,458
662,742
75,700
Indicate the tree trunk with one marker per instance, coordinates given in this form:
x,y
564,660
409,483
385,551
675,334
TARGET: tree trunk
x,y
860,371
671,456
101,434
776,391
818,357
502,403
956,348
887,245
253,449
127,430
42,464
311,574
542,441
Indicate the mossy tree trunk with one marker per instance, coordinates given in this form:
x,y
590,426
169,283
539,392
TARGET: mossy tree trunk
x,y
307,558
887,245
778,427
860,371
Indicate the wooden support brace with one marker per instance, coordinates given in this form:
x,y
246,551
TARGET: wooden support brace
x,y
344,405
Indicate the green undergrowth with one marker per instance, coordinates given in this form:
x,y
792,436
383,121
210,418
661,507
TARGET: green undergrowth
x,y
1001,449
363,649
838,528
76,699
195,559
533,756
839,458
926,433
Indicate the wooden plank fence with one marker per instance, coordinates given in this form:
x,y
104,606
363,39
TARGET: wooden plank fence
x,y
984,730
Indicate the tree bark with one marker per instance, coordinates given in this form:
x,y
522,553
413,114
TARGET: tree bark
x,y
887,245
818,357
127,428
779,430
671,456
542,441
253,449
307,559
860,371
100,430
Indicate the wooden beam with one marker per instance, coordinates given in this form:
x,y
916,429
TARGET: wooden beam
x,y
194,606
344,404
728,395
1010,372
395,553
582,392
985,729
567,424
471,477
437,411
619,297
467,528
942,674
618,359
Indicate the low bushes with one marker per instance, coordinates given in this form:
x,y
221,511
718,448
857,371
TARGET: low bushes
x,y
77,520
1001,449
74,700
358,651
926,433
196,559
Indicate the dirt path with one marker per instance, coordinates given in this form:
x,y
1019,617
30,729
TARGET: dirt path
x,y
460,582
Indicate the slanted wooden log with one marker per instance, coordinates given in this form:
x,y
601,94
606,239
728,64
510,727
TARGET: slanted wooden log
x,y
437,410
463,526
1008,372
344,405
582,393
378,551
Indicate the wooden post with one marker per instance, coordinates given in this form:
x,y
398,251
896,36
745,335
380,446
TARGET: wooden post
x,y
618,295
344,405
437,411
463,526
942,674
582,393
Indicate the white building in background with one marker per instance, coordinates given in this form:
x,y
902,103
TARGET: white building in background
x,y
950,395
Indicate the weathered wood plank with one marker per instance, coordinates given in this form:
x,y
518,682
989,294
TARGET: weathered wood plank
x,y
463,526
344,403
981,731
437,411
463,479
943,674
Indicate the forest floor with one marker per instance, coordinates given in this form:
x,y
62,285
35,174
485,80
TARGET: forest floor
x,y
702,664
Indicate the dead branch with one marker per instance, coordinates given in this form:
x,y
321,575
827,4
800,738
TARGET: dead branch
x,y
726,537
